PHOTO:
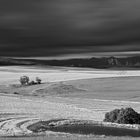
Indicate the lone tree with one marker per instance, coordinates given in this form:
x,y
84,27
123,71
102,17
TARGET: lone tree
x,y
38,80
24,80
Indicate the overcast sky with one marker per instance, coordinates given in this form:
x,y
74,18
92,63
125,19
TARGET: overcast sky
x,y
55,27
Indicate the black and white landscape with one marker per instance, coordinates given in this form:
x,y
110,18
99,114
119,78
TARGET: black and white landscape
x,y
69,69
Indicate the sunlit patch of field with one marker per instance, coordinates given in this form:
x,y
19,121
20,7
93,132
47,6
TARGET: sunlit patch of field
x,y
92,94
11,74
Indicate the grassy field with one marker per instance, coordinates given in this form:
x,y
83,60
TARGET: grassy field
x,y
69,137
81,94
116,88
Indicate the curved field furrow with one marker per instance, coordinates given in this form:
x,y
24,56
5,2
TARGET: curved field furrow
x,y
16,126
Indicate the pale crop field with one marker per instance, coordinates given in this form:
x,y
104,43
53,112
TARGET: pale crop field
x,y
11,74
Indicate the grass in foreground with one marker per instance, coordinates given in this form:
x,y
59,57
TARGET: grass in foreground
x,y
68,137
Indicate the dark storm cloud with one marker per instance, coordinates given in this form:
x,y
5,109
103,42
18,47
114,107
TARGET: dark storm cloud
x,y
53,27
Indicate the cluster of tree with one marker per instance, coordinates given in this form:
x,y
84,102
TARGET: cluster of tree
x,y
25,80
123,116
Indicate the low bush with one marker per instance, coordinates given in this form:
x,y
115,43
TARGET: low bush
x,y
38,80
32,83
112,115
15,93
123,116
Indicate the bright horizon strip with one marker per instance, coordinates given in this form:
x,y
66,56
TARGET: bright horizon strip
x,y
84,55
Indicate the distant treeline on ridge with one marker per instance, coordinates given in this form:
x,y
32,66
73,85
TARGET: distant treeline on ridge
x,y
103,62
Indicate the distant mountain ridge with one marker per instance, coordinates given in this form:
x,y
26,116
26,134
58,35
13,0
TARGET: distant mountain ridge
x,y
103,62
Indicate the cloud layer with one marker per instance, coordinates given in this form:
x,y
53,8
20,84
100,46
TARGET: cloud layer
x,y
54,27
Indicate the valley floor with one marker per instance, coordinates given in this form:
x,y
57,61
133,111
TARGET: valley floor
x,y
103,90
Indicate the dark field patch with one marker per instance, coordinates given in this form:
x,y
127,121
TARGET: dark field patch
x,y
82,127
